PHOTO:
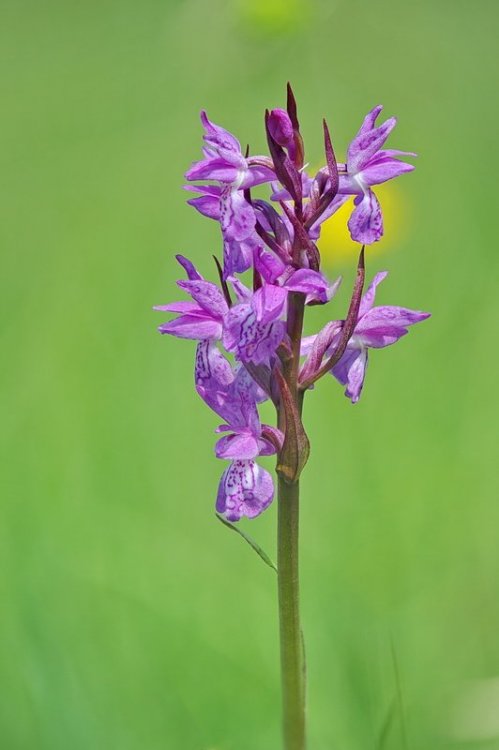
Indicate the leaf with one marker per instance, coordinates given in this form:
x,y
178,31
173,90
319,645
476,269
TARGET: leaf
x,y
259,551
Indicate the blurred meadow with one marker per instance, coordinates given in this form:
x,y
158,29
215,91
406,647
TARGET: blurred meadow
x,y
130,618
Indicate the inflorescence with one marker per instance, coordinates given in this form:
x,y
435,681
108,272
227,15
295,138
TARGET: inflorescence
x,y
259,322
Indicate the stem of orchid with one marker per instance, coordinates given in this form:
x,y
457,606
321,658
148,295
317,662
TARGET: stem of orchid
x,y
292,662
292,655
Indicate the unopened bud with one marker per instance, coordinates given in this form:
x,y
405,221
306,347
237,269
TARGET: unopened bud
x,y
281,128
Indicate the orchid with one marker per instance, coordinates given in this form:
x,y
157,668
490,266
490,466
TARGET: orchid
x,y
257,320
367,165
225,164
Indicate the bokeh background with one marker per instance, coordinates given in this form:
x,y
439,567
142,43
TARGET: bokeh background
x,y
130,618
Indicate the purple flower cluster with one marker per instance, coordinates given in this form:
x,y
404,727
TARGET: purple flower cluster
x,y
258,321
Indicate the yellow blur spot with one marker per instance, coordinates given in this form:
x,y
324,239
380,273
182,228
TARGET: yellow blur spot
x,y
273,16
335,244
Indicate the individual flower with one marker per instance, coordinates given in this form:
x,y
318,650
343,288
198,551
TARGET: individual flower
x,y
201,319
250,336
245,488
224,163
367,165
376,328
279,279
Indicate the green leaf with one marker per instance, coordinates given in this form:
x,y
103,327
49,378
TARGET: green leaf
x,y
259,551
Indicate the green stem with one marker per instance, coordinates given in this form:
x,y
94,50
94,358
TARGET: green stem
x,y
292,662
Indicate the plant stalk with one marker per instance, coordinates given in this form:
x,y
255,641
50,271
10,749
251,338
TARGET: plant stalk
x,y
292,652
292,661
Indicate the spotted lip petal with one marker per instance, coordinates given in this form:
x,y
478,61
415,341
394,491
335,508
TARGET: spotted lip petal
x,y
248,339
245,489
366,222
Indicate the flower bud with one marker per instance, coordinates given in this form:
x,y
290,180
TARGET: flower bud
x,y
281,128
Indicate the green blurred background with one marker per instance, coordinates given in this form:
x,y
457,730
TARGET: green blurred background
x,y
130,618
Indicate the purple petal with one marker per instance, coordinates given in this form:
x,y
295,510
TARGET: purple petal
x,y
239,446
383,170
193,327
245,489
212,370
351,371
269,302
370,120
207,295
189,268
244,381
242,292
317,347
309,282
366,222
387,315
221,141
214,169
214,190
237,217
207,205
256,175
369,296
249,340
269,266
238,256
365,145
180,307
377,338
382,326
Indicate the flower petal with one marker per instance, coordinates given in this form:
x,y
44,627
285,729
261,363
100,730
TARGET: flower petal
x,y
207,205
366,222
309,282
207,295
366,144
368,297
189,268
351,371
382,326
213,169
269,266
193,327
250,340
383,170
181,307
237,217
269,302
212,370
239,255
316,347
240,446
245,489
221,141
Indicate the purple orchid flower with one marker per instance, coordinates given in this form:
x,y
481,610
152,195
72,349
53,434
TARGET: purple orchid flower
x,y
367,165
280,279
201,319
253,329
245,488
376,328
224,163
